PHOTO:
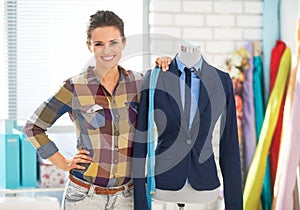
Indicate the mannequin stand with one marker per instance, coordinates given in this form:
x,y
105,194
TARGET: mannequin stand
x,y
181,206
185,196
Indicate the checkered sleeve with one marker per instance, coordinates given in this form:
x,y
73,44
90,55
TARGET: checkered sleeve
x,y
45,116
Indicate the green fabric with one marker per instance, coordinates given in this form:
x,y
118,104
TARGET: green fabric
x,y
266,195
258,93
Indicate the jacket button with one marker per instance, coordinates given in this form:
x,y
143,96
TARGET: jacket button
x,y
188,141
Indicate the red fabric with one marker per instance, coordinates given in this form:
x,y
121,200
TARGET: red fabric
x,y
275,145
276,54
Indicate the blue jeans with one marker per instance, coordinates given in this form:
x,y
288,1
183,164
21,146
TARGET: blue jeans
x,y
80,198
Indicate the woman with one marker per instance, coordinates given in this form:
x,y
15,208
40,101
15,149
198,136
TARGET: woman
x,y
102,102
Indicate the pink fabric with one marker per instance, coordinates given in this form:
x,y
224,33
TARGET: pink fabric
x,y
289,155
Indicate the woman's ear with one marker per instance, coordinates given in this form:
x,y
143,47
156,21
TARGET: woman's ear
x,y
123,43
88,44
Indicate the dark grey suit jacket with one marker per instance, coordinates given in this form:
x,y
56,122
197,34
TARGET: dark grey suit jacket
x,y
181,153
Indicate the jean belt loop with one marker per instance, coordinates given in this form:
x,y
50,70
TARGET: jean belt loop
x,y
91,190
126,191
126,187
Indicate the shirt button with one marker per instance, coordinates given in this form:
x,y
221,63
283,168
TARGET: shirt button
x,y
189,141
116,160
117,116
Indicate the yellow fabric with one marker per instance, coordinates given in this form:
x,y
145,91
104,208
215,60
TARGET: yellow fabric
x,y
260,206
255,177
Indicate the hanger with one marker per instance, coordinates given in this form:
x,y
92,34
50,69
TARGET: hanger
x,y
257,50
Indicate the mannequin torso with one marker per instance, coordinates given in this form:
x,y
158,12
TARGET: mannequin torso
x,y
189,55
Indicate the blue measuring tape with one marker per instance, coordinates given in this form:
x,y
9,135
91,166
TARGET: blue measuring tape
x,y
150,144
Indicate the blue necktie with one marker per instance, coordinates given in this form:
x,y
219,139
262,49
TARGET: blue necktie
x,y
187,101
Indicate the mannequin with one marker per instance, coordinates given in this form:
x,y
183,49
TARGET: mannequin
x,y
189,55
185,169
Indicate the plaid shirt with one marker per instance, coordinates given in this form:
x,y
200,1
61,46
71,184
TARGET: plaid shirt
x,y
104,124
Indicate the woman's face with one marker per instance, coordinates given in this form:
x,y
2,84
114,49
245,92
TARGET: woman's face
x,y
107,45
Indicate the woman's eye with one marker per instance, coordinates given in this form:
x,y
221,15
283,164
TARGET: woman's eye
x,y
113,43
99,44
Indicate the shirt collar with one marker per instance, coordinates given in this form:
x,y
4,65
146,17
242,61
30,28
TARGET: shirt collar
x,y
181,66
91,76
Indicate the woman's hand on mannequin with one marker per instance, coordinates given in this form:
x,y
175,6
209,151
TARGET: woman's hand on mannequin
x,y
73,163
163,62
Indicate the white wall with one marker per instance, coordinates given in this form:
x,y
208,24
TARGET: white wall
x,y
290,13
219,26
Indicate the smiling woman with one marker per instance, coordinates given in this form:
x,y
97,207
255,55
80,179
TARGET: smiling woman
x,y
107,45
99,101
48,45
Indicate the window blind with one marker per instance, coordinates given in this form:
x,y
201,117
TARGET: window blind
x,y
8,59
46,45
3,66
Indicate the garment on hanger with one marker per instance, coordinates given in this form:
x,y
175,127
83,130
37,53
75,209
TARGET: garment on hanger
x,y
258,90
237,64
249,128
275,145
254,181
266,197
259,107
289,155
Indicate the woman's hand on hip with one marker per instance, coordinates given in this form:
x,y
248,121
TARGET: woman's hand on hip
x,y
80,157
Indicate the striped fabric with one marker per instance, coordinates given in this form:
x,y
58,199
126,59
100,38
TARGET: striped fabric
x,y
104,124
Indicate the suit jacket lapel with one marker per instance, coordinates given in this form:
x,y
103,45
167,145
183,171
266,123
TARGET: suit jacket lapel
x,y
170,81
208,77
208,81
